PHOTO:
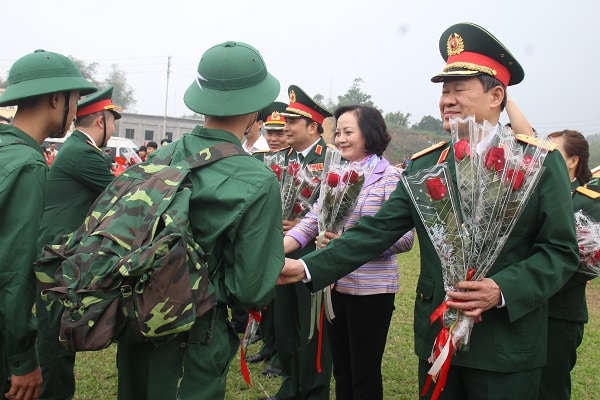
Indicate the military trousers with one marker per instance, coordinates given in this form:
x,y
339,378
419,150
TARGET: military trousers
x,y
189,366
297,354
563,339
476,384
57,362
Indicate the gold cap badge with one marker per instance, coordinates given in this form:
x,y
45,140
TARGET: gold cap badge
x,y
275,116
292,96
455,44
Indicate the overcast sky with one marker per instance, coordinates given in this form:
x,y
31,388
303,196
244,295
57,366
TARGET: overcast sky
x,y
322,45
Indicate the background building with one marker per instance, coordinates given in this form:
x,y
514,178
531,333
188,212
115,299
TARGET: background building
x,y
143,128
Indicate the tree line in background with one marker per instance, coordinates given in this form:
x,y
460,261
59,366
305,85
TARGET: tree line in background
x,y
408,139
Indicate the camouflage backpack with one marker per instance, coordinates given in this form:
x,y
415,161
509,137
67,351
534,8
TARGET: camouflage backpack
x,y
133,262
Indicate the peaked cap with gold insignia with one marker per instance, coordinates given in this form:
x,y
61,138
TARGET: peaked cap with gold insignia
x,y
470,50
301,105
99,101
272,117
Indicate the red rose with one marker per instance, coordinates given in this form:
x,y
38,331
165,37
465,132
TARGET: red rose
x,y
333,179
316,180
306,192
277,169
516,177
298,208
527,160
494,159
462,149
293,168
436,188
470,274
350,177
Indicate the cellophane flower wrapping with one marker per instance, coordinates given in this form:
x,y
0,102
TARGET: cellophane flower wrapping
x,y
588,239
342,183
299,185
468,222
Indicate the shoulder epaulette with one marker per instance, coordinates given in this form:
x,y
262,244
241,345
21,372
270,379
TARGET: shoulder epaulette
x,y
427,150
260,152
331,146
93,145
532,140
596,172
592,194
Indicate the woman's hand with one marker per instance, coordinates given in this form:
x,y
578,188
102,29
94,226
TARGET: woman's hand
x,y
327,237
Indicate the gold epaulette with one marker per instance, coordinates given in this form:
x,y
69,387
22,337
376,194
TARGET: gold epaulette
x,y
261,152
532,140
94,146
427,150
592,194
596,172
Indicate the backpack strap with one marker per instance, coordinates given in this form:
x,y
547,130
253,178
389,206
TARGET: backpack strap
x,y
214,153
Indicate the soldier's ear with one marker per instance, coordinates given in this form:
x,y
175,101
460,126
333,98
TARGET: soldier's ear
x,y
54,100
100,121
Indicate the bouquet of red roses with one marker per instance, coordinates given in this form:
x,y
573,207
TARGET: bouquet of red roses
x,y
339,192
469,222
588,239
299,189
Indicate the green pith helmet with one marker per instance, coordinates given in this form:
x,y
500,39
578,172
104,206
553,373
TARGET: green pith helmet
x,y
43,72
470,50
232,80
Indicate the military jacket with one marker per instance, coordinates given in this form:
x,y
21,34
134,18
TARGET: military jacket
x,y
236,217
569,303
538,258
79,173
23,172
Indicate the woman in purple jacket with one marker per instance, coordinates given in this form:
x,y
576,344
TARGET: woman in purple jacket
x,y
363,301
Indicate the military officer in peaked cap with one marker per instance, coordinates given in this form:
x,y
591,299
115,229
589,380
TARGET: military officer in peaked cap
x,y
45,87
298,355
79,173
508,347
274,125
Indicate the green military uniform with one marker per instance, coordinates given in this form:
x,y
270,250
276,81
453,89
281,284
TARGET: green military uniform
x,y
79,173
23,174
540,255
235,217
22,184
508,347
297,354
568,313
232,220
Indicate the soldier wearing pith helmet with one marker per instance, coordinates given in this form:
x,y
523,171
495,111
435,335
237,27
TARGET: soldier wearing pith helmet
x,y
507,349
235,217
299,356
45,87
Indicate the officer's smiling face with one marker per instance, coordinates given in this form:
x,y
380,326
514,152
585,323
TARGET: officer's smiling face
x,y
297,133
464,97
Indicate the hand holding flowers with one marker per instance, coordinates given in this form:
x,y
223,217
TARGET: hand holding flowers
x,y
468,223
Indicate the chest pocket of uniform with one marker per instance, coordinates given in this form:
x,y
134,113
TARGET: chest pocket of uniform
x,y
425,290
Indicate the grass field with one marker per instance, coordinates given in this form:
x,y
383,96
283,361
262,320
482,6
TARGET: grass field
x,y
96,373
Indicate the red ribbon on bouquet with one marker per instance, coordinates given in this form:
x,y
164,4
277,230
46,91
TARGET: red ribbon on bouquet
x,y
443,346
252,315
